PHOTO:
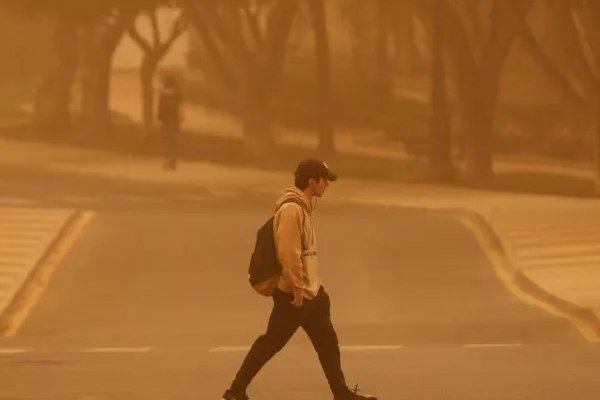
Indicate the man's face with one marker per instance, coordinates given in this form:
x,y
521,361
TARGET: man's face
x,y
320,186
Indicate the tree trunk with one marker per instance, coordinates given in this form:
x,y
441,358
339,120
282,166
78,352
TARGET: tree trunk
x,y
383,79
407,59
573,54
476,109
98,51
262,74
88,78
102,93
256,118
324,122
597,153
440,143
106,48
596,142
215,61
584,38
94,72
478,121
67,45
355,12
53,98
477,83
147,72
551,69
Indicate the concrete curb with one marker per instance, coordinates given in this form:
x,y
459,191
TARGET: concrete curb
x,y
586,320
31,231
27,290
586,316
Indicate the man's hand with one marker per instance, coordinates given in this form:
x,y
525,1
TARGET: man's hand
x,y
298,297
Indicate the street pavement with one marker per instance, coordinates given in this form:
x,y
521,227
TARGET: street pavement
x,y
441,288
544,245
154,304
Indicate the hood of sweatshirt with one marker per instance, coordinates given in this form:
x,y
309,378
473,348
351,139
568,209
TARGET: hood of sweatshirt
x,y
296,194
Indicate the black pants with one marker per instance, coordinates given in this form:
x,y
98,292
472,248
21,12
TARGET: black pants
x,y
170,134
315,318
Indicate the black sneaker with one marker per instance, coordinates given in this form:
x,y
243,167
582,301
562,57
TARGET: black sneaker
x,y
353,395
230,395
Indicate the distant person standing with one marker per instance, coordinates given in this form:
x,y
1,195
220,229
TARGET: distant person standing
x,y
169,115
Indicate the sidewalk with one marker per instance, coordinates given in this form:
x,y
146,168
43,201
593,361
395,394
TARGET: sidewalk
x,y
26,235
547,248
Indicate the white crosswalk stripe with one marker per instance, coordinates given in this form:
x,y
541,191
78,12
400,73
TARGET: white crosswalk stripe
x,y
13,351
7,351
25,234
6,201
541,240
557,258
490,345
119,350
90,201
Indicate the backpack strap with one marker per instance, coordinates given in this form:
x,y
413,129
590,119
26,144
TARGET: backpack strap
x,y
292,200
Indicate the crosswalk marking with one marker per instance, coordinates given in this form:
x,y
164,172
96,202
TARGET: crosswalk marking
x,y
576,242
119,350
562,260
17,201
558,250
544,241
236,349
16,212
224,349
490,345
371,347
13,351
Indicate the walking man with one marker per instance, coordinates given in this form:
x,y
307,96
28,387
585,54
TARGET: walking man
x,y
299,299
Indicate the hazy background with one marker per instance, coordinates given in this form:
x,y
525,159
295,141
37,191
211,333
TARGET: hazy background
x,y
438,291
499,94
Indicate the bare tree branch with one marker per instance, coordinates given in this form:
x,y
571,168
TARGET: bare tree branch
x,y
463,11
252,20
507,19
155,27
215,21
177,29
137,37
116,25
214,54
549,67
472,9
586,46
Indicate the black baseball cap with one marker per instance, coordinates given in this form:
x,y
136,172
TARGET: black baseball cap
x,y
314,168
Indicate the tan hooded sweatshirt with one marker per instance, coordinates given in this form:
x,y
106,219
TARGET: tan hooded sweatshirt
x,y
296,244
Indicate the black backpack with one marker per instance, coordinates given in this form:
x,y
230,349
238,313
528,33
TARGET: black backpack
x,y
265,269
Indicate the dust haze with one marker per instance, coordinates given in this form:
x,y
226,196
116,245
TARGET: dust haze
x,y
144,142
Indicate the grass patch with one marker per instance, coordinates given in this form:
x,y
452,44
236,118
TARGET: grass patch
x,y
14,95
127,139
232,152
544,183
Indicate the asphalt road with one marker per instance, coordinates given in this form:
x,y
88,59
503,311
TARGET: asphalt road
x,y
153,303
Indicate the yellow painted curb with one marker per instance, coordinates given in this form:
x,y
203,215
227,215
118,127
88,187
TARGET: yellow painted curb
x,y
492,248
34,286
